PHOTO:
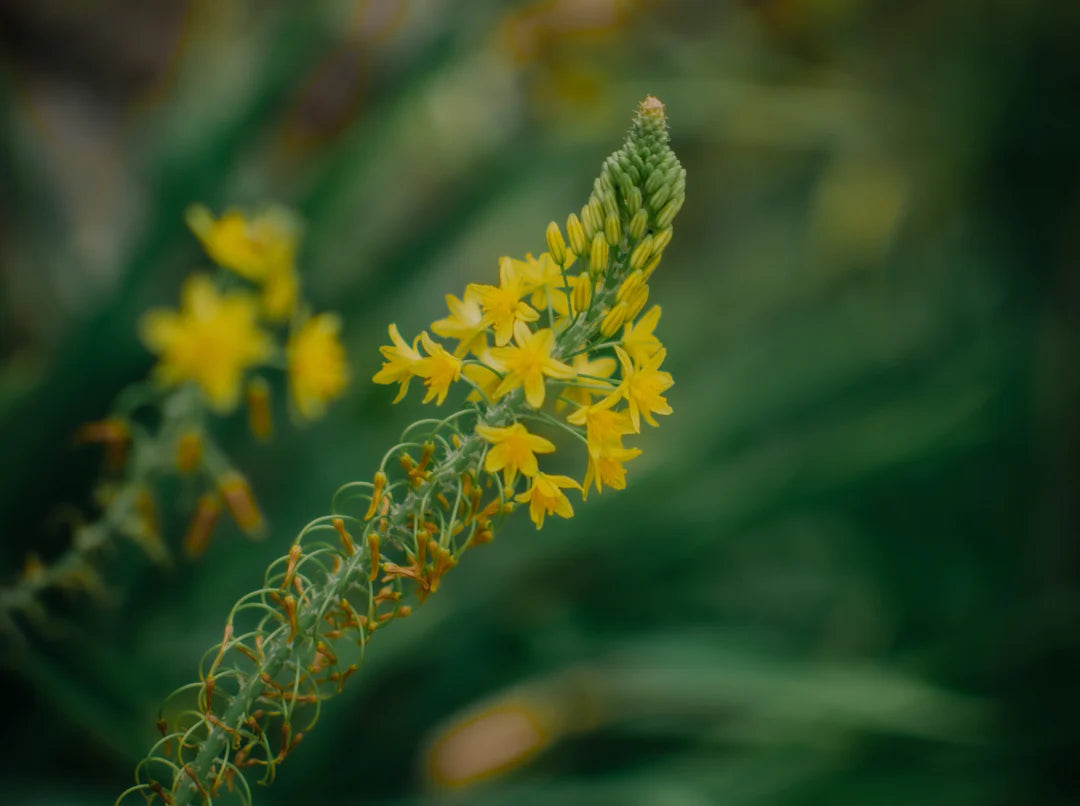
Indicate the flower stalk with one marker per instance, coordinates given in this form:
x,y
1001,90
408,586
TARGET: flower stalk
x,y
449,483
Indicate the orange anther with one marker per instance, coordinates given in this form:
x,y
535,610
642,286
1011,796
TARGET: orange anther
x,y
346,538
240,501
290,568
189,451
376,495
207,512
373,551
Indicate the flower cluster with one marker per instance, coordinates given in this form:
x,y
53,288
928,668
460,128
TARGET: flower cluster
x,y
227,326
559,344
562,331
218,335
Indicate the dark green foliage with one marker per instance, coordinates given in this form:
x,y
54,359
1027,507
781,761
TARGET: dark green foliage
x,y
845,571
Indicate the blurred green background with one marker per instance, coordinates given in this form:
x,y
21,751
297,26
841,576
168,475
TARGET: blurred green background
x,y
844,571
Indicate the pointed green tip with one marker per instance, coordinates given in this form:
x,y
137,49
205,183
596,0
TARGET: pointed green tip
x,y
650,123
652,107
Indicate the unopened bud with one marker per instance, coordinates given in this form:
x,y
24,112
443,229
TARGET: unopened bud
x,y
598,255
613,320
612,229
596,213
655,180
260,419
207,512
114,434
576,233
610,205
636,302
660,197
146,531
241,502
589,221
650,267
638,223
661,240
581,296
556,244
189,451
630,286
641,253
668,212
376,495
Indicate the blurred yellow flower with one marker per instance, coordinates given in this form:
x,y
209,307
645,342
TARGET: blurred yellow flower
x,y
279,293
513,449
527,363
318,371
254,247
212,340
545,498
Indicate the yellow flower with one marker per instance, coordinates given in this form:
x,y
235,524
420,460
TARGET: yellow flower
x,y
514,450
638,339
607,468
502,304
465,322
252,247
318,372
439,369
527,363
543,278
485,378
545,498
642,385
212,340
279,293
400,364
598,368
604,427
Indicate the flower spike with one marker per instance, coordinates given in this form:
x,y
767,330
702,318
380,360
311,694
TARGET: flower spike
x,y
524,348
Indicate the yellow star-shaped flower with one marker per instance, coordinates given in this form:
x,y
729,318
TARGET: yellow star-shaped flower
x,y
502,305
604,427
439,369
400,364
513,450
212,340
638,339
526,364
643,383
546,498
585,388
544,280
465,323
318,371
606,467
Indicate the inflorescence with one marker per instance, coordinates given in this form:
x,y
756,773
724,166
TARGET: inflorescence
x,y
558,345
230,329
